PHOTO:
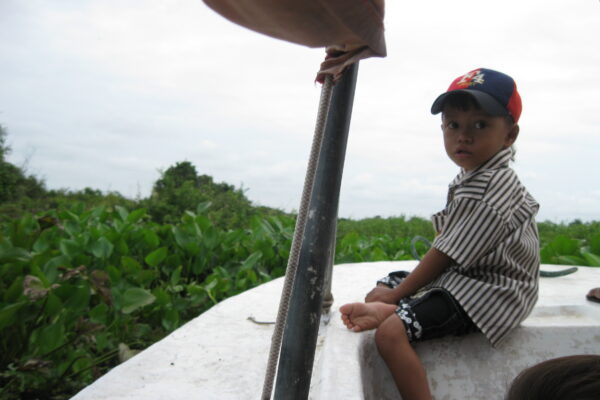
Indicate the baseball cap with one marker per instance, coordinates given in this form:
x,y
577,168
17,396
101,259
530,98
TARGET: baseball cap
x,y
496,93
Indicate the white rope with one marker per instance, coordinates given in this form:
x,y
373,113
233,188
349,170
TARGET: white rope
x,y
292,265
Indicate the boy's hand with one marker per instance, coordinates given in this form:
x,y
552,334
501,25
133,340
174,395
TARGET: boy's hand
x,y
383,294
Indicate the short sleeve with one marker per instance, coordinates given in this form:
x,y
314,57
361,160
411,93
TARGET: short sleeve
x,y
437,220
471,230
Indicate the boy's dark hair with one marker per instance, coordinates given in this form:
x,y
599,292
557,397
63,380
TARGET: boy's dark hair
x,y
465,102
573,378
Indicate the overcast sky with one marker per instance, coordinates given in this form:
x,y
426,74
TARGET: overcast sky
x,y
105,93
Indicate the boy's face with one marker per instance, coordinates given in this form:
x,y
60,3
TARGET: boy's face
x,y
472,137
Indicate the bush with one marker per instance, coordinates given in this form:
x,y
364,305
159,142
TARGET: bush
x,y
78,286
14,183
394,227
180,188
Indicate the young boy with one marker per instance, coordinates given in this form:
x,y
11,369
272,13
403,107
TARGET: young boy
x,y
481,273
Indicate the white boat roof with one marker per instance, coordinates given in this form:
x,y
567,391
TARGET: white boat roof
x,y
222,355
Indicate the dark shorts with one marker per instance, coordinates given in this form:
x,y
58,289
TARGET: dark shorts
x,y
430,314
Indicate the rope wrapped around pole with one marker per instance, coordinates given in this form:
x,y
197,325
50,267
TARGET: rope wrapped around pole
x,y
292,265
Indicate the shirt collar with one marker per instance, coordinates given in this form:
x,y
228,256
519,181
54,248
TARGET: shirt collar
x,y
499,160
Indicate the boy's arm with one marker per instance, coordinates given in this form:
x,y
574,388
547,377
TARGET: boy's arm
x,y
431,266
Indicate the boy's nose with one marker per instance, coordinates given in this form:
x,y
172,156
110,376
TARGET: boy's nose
x,y
464,136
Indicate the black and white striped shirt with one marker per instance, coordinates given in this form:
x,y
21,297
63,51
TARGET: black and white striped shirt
x,y
489,231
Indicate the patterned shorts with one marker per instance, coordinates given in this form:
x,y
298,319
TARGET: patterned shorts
x,y
430,313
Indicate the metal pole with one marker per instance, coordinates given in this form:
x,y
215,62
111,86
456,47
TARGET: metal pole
x,y
327,295
302,323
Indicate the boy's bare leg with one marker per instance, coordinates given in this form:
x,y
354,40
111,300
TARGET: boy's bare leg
x,y
402,360
393,345
365,316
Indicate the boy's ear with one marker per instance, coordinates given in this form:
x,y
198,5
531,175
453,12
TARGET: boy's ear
x,y
512,135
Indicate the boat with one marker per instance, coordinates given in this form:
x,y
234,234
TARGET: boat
x,y
222,354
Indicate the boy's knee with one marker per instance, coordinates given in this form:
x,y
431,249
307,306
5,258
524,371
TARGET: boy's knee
x,y
390,333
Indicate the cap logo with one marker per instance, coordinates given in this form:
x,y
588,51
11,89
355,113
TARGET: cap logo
x,y
471,78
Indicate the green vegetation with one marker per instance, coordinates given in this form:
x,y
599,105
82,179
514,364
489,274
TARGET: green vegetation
x,y
88,278
14,183
76,285
181,188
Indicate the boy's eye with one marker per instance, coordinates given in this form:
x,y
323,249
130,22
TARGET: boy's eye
x,y
480,124
452,125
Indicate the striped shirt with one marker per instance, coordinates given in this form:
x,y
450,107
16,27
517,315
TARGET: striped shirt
x,y
488,230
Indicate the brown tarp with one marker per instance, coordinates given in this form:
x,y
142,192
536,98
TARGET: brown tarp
x,y
350,29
